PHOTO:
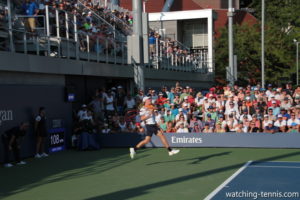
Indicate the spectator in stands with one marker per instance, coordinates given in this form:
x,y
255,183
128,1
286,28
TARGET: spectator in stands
x,y
253,128
40,128
182,128
162,124
280,123
152,43
106,129
82,113
270,128
97,107
11,143
109,104
32,10
129,102
219,128
294,128
207,128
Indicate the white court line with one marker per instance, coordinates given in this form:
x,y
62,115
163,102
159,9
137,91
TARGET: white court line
x,y
275,162
218,189
265,166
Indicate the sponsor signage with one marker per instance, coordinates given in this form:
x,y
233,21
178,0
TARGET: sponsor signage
x,y
57,141
255,140
6,115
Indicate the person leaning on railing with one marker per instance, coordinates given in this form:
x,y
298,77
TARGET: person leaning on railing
x,y
32,10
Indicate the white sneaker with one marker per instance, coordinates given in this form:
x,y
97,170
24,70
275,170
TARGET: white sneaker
x,y
21,163
132,153
44,155
8,165
173,152
37,155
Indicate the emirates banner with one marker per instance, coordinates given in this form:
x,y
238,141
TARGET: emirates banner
x,y
256,140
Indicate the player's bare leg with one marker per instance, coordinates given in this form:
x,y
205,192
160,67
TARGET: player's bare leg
x,y
143,142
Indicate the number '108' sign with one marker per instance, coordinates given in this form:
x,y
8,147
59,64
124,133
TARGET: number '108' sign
x,y
57,141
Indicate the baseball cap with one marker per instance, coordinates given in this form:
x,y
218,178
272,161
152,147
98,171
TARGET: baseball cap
x,y
208,115
83,106
210,107
146,98
279,116
180,109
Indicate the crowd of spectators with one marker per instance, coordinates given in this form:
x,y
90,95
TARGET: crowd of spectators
x,y
98,23
183,110
3,27
175,53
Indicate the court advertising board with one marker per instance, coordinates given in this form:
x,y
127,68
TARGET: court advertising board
x,y
256,140
57,141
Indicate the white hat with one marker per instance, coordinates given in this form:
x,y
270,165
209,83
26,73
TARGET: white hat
x,y
185,104
248,98
119,87
280,115
180,109
146,98
273,101
186,97
83,106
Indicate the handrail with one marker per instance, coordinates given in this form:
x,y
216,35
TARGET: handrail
x,y
111,15
107,23
34,16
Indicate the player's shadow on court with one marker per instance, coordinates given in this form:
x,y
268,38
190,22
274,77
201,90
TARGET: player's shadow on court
x,y
195,160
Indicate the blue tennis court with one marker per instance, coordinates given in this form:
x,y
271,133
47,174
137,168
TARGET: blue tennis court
x,y
261,180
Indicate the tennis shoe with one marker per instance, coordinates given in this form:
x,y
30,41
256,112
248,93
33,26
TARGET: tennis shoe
x,y
132,153
173,152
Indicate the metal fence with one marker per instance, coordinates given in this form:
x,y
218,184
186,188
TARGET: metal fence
x,y
57,34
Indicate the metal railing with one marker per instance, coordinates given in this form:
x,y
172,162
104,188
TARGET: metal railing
x,y
85,48
117,33
109,8
39,28
59,36
167,58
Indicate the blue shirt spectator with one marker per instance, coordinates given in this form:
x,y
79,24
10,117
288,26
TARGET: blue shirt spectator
x,y
152,40
31,8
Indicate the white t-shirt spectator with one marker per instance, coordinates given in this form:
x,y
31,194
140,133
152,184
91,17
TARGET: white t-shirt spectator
x,y
266,123
290,121
109,103
232,124
280,123
82,114
182,130
130,103
248,117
